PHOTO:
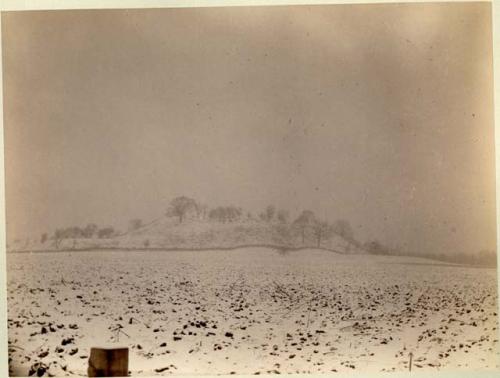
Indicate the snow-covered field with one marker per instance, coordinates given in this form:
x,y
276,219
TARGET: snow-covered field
x,y
249,311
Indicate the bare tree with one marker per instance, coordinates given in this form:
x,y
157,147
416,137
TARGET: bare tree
x,y
201,210
106,232
225,214
58,236
90,230
270,212
283,234
322,230
218,214
180,206
283,216
305,220
344,229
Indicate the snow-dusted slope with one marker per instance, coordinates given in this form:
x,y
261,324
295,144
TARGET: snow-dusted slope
x,y
168,233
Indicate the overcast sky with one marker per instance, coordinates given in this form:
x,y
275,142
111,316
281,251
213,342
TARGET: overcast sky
x,y
379,114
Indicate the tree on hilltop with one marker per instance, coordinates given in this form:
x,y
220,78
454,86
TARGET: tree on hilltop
x,y
270,212
201,210
305,220
106,233
344,229
90,230
180,206
322,230
225,214
282,216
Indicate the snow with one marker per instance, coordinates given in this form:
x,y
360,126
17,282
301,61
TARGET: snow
x,y
250,310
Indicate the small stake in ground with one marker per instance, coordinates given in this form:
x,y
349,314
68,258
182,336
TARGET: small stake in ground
x,y
117,329
411,357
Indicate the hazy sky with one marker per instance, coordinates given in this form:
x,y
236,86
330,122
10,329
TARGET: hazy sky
x,y
378,114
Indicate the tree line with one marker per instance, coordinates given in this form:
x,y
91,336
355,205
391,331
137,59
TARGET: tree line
x,y
306,224
75,232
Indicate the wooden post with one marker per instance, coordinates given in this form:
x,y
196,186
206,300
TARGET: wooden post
x,y
105,362
411,357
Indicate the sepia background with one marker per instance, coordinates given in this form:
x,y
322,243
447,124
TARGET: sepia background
x,y
380,116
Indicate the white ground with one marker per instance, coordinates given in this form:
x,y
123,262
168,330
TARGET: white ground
x,y
250,311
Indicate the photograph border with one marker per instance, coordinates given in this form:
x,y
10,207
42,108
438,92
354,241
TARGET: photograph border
x,y
27,5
